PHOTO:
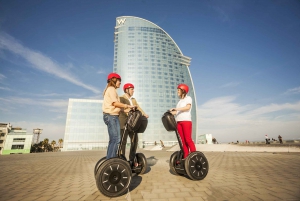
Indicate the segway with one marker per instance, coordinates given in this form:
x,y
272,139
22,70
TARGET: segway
x,y
113,176
195,165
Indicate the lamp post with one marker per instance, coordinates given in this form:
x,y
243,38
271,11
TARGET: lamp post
x,y
37,131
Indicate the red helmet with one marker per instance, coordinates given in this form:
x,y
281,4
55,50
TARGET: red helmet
x,y
184,87
127,86
112,75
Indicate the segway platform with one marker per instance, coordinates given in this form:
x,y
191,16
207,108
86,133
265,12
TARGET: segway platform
x,y
195,165
113,176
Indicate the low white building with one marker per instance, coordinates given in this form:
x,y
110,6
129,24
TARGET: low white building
x,y
205,139
14,140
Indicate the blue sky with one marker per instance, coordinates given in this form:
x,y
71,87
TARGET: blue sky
x,y
245,60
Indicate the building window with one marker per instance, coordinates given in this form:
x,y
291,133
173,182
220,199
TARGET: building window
x,y
19,140
17,146
1,141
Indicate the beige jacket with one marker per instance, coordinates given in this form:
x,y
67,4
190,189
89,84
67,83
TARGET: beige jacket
x,y
110,97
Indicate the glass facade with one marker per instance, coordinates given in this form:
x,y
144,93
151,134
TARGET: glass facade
x,y
146,56
85,129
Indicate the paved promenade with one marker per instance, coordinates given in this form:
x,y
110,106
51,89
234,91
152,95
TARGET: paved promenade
x,y
287,148
232,176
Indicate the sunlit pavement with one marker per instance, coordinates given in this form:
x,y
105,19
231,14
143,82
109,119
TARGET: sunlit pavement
x,y
232,176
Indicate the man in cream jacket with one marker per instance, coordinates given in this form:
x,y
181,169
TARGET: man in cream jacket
x,y
129,100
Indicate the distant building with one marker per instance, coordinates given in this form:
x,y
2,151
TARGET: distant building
x,y
85,129
14,140
205,139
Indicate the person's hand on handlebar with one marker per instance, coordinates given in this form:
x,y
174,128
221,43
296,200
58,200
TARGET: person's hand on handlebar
x,y
173,111
130,107
133,107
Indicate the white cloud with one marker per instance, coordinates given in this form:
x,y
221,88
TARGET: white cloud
x,y
2,76
225,10
223,15
221,106
40,61
230,84
5,88
274,108
55,103
293,91
230,121
52,131
101,72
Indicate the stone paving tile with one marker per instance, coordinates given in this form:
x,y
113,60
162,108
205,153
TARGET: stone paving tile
x,y
182,194
172,190
175,199
166,195
194,198
232,176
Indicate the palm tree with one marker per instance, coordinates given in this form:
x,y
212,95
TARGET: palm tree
x,y
45,144
53,143
60,141
46,141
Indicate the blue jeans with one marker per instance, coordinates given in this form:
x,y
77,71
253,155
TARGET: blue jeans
x,y
113,127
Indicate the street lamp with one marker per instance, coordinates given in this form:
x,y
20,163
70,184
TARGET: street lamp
x,y
37,132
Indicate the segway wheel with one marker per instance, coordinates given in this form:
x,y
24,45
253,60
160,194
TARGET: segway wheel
x,y
142,161
113,177
196,165
174,162
98,165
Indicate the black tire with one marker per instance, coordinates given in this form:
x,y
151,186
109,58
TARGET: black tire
x,y
142,161
196,165
98,165
113,177
173,163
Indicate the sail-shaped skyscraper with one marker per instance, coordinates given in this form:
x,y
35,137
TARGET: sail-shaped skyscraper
x,y
146,56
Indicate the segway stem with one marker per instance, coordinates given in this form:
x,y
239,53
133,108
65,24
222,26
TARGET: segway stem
x,y
119,154
179,141
177,134
122,139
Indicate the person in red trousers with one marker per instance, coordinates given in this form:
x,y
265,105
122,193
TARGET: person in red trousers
x,y
183,118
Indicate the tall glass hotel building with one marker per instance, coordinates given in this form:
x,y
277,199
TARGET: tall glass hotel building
x,y
146,56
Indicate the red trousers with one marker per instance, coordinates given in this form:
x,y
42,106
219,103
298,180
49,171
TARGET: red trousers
x,y
185,131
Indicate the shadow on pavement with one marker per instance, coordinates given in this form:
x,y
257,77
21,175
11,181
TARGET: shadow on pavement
x,y
148,170
135,182
152,161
